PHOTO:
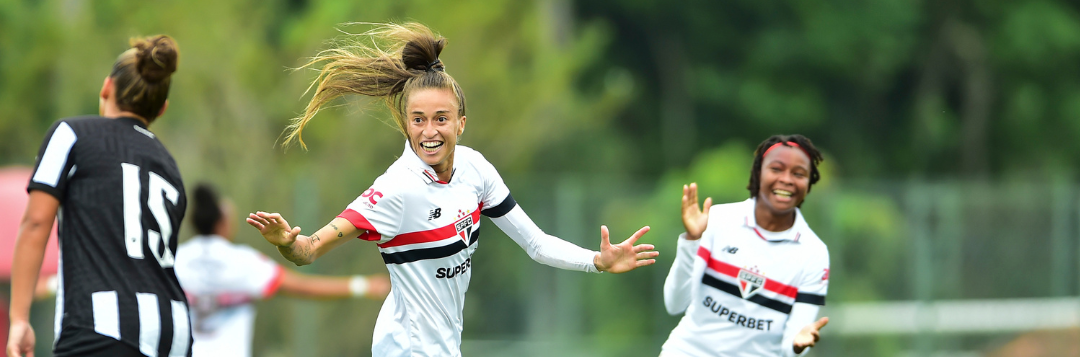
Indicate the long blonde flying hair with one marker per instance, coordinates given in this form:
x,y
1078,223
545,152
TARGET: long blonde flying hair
x,y
389,62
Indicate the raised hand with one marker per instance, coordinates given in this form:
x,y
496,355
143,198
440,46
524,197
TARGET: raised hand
x,y
625,256
20,340
694,218
274,228
809,335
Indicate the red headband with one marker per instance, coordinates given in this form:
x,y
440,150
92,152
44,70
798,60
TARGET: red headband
x,y
789,143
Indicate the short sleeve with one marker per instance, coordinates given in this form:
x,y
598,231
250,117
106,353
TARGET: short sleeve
x,y
261,276
815,282
54,161
495,198
377,212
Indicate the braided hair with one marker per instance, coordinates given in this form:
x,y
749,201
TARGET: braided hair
x,y
800,142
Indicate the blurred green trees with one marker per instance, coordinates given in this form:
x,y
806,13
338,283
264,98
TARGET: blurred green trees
x,y
594,112
891,88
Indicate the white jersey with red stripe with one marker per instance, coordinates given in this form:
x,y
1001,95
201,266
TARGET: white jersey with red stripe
x,y
745,291
222,281
427,231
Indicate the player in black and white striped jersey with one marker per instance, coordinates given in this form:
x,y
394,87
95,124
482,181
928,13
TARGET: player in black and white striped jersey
x,y
119,200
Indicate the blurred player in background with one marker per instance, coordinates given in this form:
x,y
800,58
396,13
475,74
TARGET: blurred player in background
x,y
223,279
119,198
751,276
424,211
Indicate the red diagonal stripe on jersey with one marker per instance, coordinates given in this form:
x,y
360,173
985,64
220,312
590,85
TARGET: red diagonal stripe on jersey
x,y
430,235
733,271
716,265
275,282
361,223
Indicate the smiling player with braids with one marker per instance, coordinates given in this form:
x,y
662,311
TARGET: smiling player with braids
x,y
750,276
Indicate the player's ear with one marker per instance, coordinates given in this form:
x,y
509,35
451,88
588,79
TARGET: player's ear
x,y
462,129
105,94
106,88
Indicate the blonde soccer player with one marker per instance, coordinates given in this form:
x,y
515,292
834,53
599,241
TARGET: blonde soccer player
x,y
424,212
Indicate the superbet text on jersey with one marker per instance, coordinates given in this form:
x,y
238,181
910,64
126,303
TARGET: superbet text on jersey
x,y
745,291
121,204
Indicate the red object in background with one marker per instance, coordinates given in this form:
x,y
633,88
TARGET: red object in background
x,y
13,199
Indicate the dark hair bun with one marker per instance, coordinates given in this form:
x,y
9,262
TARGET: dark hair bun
x,y
206,210
157,57
422,54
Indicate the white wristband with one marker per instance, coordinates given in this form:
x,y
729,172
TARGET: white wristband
x,y
52,284
358,285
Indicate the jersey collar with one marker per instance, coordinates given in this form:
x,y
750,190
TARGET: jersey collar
x,y
792,234
209,238
419,167
135,121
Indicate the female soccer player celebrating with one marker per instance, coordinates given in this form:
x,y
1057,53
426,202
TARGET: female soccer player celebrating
x,y
750,276
119,197
424,212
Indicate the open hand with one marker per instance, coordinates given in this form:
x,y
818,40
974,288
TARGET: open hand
x,y
20,340
625,256
694,218
274,228
809,335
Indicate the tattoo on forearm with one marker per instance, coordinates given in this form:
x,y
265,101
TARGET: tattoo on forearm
x,y
298,253
315,238
339,234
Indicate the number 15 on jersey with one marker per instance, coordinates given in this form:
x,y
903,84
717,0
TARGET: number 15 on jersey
x,y
158,192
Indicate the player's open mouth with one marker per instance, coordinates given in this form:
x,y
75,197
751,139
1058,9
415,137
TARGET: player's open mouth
x,y
431,147
782,193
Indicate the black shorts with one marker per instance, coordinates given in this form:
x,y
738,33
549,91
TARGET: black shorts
x,y
78,342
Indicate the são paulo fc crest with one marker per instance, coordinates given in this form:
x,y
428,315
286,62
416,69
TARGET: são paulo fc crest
x,y
750,283
464,227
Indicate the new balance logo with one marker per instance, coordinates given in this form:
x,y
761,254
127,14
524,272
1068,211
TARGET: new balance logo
x,y
730,250
435,213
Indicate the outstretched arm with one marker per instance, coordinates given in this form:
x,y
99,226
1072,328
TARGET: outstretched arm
x,y
30,244
374,287
297,248
550,250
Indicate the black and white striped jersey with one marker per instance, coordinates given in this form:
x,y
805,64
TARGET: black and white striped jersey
x,y
121,203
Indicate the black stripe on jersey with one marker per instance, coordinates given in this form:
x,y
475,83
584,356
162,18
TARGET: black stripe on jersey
x,y
756,298
810,299
502,209
410,256
475,235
